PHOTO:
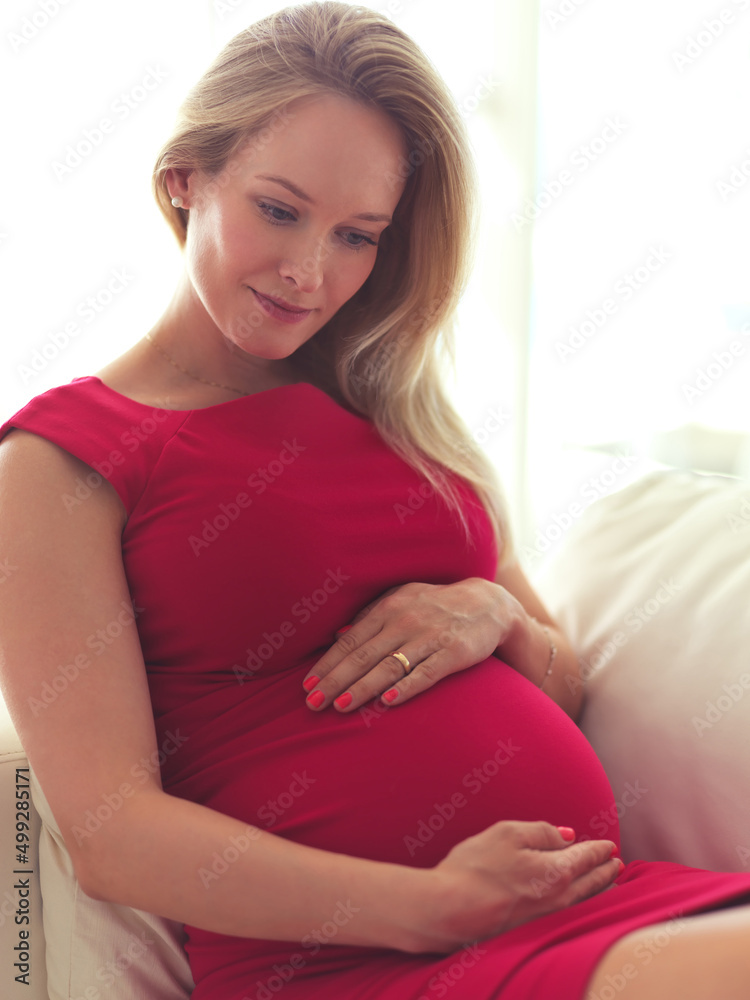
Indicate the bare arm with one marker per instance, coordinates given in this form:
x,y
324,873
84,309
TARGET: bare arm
x,y
157,852
527,647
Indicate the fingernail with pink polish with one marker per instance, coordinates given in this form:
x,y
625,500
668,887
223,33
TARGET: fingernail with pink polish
x,y
343,700
567,833
390,696
310,683
316,699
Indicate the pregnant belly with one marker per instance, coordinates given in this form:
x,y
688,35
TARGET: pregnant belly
x,y
401,784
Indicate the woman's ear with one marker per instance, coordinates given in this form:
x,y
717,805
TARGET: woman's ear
x,y
178,186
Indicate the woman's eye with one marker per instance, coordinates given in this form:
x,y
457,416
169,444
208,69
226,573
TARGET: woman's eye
x,y
277,216
362,241
270,212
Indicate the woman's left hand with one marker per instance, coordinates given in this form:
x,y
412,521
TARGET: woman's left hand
x,y
440,629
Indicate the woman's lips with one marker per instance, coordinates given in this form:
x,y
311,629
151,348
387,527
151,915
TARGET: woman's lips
x,y
279,312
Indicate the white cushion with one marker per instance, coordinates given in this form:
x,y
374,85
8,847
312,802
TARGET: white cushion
x,y
652,586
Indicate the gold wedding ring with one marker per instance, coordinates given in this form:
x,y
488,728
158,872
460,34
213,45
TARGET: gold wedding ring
x,y
402,660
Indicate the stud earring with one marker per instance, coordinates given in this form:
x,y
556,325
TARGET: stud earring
x,y
177,202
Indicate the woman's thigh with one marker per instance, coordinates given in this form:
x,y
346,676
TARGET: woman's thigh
x,y
702,957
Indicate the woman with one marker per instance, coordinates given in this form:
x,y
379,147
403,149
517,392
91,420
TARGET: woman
x,y
272,466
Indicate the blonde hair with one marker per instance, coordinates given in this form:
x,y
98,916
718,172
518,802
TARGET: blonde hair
x,y
381,352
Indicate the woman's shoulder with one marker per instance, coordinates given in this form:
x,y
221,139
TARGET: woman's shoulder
x,y
94,409
107,433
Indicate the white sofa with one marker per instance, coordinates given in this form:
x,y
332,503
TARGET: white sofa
x,y
651,584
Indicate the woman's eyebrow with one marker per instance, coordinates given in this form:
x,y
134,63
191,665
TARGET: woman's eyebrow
x,y
368,216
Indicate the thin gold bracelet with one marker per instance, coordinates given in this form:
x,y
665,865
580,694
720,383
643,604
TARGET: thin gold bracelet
x,y
552,652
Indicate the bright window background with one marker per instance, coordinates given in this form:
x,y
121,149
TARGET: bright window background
x,y
645,105
549,423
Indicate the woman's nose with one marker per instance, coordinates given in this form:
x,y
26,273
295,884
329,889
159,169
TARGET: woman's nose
x,y
307,267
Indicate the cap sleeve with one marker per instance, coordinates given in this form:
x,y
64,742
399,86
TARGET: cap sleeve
x,y
120,439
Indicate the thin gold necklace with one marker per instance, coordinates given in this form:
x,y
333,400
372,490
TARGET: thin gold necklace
x,y
218,385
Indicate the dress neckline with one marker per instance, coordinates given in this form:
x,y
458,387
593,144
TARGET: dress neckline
x,y
198,409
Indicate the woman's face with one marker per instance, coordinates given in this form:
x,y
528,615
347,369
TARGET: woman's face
x,y
296,216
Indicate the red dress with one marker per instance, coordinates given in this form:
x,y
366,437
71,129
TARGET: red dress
x,y
258,527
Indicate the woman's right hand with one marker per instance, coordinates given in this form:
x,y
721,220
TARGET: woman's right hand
x,y
509,874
